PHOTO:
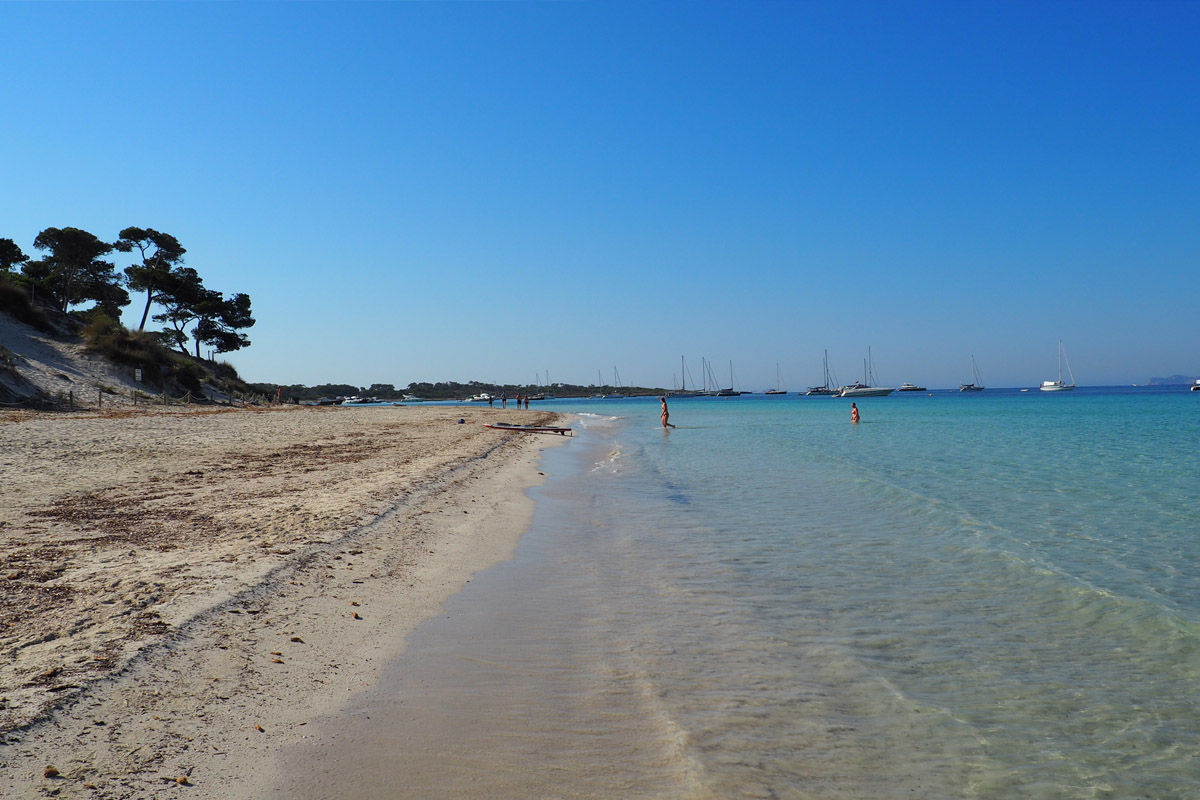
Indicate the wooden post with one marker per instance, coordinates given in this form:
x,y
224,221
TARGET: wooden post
x,y
71,396
99,398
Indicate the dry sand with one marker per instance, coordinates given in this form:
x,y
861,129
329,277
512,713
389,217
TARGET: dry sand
x,y
182,591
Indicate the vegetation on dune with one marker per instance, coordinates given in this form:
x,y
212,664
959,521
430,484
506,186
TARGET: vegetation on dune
x,y
15,302
73,291
162,369
74,272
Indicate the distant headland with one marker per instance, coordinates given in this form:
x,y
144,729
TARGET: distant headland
x,y
1174,380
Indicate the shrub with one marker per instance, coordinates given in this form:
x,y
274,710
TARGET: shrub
x,y
106,337
15,301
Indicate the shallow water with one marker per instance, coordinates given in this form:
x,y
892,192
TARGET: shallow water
x,y
991,596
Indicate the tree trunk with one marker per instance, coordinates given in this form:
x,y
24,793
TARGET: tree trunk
x,y
146,313
66,302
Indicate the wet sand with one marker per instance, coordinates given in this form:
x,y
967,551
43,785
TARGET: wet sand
x,y
184,591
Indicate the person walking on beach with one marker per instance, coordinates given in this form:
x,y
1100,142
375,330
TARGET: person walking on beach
x,y
666,415
854,413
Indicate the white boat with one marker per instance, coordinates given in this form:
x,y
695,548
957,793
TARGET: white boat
x,y
1196,386
827,387
1060,385
858,389
976,384
683,391
710,380
868,389
910,387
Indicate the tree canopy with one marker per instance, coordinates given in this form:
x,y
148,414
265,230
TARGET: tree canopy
x,y
72,271
160,252
10,255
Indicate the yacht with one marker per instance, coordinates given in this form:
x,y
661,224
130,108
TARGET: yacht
x,y
869,389
1060,385
976,384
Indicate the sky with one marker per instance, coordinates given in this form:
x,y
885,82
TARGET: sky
x,y
521,192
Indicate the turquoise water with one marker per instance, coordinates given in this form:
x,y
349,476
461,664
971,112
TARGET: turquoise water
x,y
991,596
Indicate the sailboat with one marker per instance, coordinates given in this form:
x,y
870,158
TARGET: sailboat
x,y
827,387
617,382
869,389
599,395
976,384
730,392
1059,385
682,391
778,382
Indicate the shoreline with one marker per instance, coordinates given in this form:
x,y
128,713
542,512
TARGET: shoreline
x,y
260,570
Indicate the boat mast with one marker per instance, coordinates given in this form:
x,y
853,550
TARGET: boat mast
x,y
1062,356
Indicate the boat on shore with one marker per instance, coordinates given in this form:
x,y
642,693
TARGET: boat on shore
x,y
1060,385
976,384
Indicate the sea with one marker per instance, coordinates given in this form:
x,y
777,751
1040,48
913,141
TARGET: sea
x,y
975,595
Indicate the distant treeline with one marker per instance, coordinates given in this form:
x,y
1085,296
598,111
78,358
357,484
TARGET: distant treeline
x,y
450,390
73,272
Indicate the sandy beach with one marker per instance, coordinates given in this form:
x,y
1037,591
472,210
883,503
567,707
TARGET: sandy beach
x,y
184,590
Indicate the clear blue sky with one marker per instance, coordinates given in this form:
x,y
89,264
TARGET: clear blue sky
x,y
501,191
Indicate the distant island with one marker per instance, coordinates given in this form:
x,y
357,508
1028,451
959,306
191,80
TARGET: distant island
x,y
1174,380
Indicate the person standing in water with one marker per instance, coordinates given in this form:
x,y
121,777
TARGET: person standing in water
x,y
853,413
666,415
